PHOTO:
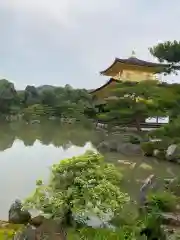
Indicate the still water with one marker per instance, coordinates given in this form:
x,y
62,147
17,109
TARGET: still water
x,y
28,151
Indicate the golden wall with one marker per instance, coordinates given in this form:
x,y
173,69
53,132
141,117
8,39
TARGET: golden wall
x,y
135,76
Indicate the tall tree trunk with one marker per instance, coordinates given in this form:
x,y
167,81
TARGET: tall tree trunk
x,y
138,126
157,119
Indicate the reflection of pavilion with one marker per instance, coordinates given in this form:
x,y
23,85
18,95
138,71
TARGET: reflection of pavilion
x,y
126,70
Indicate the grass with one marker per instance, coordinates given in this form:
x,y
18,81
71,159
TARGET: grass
x,y
83,234
7,230
100,234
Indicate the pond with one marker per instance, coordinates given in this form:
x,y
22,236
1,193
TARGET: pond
x,y
28,151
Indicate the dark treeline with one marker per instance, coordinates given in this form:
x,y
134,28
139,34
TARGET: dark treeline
x,y
135,101
43,100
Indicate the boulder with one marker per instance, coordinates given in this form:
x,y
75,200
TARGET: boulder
x,y
49,229
52,229
171,219
153,148
160,154
173,152
129,149
37,221
156,152
17,215
110,146
124,148
28,233
35,122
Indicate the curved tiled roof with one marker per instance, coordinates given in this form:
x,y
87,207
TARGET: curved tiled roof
x,y
106,84
136,62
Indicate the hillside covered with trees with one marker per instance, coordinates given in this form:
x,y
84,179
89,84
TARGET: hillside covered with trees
x,y
43,101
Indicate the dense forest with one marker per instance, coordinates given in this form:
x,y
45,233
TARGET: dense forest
x,y
131,102
43,101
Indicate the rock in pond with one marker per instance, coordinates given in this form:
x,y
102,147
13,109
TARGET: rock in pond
x,y
49,229
17,215
124,148
173,152
35,121
159,154
171,219
28,233
129,149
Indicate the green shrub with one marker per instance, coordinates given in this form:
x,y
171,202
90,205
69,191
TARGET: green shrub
x,y
171,130
161,155
164,201
103,234
149,147
77,187
157,133
134,139
174,186
8,230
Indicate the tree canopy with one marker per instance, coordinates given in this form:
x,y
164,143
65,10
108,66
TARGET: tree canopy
x,y
168,51
54,101
80,187
134,102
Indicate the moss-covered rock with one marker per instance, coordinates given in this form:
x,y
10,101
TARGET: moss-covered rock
x,y
173,185
134,139
159,154
173,153
149,148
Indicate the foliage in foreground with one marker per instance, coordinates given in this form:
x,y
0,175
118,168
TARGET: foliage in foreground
x,y
80,187
8,230
169,131
102,234
163,201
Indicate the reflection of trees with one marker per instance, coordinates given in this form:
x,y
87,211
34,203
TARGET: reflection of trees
x,y
47,133
7,137
27,134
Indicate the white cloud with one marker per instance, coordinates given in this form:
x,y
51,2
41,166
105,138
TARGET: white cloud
x,y
72,40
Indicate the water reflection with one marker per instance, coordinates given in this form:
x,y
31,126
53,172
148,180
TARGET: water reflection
x,y
28,152
47,133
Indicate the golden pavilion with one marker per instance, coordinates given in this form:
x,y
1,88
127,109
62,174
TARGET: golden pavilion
x,y
131,69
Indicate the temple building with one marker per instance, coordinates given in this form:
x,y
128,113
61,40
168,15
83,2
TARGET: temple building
x,y
131,69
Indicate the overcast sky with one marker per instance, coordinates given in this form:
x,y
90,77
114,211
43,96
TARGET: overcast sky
x,y
70,41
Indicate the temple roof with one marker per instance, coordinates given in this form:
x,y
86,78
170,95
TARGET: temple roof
x,y
105,85
133,61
